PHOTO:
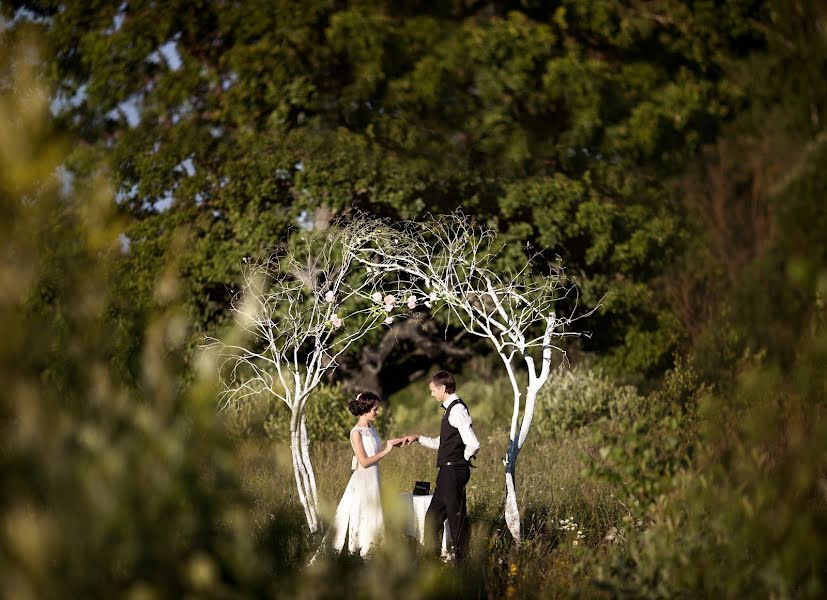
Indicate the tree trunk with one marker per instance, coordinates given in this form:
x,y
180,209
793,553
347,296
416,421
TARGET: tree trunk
x,y
305,478
515,444
304,441
512,511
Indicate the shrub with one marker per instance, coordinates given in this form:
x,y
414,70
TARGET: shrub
x,y
644,447
579,397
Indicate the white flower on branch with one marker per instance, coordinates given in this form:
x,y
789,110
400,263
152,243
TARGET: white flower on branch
x,y
390,300
412,302
388,321
376,297
336,320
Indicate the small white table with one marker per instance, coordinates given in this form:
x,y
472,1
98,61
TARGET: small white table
x,y
416,518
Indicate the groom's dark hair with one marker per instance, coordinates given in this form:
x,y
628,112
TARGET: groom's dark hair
x,y
446,379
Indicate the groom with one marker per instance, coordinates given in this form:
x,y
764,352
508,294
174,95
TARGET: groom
x,y
455,446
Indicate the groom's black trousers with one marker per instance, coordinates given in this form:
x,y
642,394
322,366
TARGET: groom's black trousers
x,y
448,503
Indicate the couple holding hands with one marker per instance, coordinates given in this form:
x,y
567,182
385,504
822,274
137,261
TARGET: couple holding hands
x,y
359,516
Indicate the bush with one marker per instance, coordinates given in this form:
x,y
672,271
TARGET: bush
x,y
646,445
750,519
578,397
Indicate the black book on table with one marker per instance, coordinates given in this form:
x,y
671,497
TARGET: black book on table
x,y
422,488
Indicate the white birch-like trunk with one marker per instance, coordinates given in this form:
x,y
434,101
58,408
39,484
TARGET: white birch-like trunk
x,y
512,510
515,442
304,442
303,471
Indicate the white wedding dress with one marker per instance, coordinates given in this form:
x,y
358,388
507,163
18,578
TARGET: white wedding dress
x,y
359,514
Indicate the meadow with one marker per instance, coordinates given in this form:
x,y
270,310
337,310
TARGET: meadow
x,y
571,518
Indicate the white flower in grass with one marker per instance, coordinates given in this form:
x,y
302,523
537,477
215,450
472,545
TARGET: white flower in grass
x,y
388,321
411,302
376,297
334,318
432,296
330,296
390,300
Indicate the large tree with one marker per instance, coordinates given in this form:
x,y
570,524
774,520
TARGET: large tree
x,y
560,123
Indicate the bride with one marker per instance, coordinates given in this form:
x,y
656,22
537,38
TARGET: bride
x,y
359,514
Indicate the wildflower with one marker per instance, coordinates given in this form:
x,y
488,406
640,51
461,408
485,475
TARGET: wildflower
x,y
376,297
388,321
390,300
334,318
411,302
428,304
330,296
432,296
574,543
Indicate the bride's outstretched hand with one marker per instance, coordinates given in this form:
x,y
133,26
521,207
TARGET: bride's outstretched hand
x,y
390,444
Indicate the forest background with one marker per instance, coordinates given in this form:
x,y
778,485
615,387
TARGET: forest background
x,y
671,154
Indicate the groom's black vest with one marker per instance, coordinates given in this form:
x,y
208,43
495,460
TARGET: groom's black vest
x,y
451,447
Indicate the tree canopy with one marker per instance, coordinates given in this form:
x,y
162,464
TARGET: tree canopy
x,y
561,124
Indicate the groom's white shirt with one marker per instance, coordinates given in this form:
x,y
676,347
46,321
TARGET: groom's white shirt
x,y
460,419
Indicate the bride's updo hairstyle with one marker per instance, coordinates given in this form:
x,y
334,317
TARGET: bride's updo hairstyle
x,y
362,403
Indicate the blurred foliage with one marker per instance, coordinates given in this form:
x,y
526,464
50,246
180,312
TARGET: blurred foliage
x,y
109,489
744,512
